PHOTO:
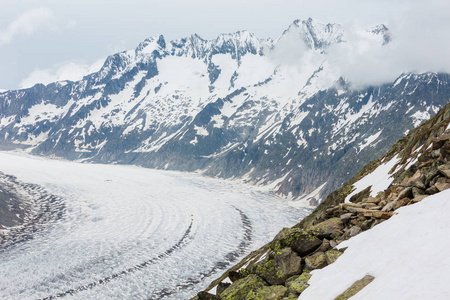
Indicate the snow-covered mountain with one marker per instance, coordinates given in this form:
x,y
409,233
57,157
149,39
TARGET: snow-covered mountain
x,y
364,239
274,112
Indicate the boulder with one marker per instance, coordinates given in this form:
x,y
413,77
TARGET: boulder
x,y
417,192
406,193
432,190
346,217
206,296
445,170
222,286
401,202
374,200
361,195
436,153
440,141
389,206
325,246
297,284
329,229
355,230
430,173
366,224
234,275
378,215
275,292
239,289
417,180
419,198
332,255
299,240
442,184
355,288
317,260
285,264
445,150
333,243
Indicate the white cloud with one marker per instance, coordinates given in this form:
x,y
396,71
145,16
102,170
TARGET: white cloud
x,y
420,43
26,24
65,71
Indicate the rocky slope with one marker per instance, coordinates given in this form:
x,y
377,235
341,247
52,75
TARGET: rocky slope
x,y
417,166
272,112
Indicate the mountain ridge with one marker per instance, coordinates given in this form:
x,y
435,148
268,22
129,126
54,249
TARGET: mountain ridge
x,y
234,107
414,168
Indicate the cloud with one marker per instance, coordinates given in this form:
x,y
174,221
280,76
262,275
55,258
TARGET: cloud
x,y
65,71
26,24
419,43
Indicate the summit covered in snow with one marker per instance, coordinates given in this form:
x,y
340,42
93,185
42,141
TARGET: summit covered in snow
x,y
275,112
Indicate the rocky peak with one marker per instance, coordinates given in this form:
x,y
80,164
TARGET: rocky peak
x,y
382,31
316,35
151,44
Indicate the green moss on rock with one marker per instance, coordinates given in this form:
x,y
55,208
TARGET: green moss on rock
x,y
329,229
355,288
297,284
275,271
332,255
275,292
316,261
239,289
299,240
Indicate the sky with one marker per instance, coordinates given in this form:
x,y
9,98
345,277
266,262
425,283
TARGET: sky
x,y
46,40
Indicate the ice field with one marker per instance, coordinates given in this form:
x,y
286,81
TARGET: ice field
x,y
124,232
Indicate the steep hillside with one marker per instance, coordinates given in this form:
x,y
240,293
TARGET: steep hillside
x,y
270,112
417,166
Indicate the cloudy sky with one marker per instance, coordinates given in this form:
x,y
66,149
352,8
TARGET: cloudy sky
x,y
45,40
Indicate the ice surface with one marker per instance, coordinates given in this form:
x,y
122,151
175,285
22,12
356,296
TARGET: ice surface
x,y
135,233
407,255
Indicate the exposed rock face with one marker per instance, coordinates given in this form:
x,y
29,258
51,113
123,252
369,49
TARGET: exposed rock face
x,y
210,115
421,171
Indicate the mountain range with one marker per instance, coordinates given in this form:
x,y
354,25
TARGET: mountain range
x,y
273,112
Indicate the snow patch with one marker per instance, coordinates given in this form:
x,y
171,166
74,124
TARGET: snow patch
x,y
379,179
407,255
420,116
370,140
201,131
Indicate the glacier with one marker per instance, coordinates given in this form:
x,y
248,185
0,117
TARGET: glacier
x,y
127,232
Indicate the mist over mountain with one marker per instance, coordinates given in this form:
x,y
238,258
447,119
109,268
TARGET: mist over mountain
x,y
284,112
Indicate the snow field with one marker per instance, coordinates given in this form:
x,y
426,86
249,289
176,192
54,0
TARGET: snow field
x,y
407,255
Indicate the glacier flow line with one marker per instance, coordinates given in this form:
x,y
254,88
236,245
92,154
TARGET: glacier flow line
x,y
182,242
228,259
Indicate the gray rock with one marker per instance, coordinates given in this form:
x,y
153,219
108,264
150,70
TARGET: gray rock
x,y
329,229
300,241
314,261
